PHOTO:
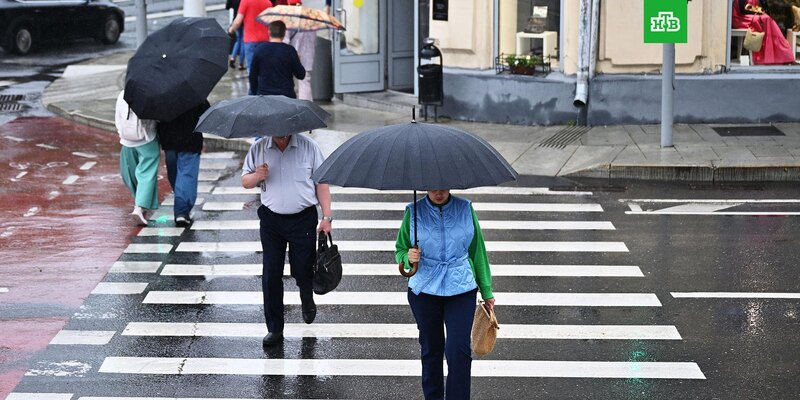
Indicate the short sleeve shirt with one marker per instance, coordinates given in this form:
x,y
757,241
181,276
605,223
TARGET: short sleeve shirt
x,y
254,31
289,188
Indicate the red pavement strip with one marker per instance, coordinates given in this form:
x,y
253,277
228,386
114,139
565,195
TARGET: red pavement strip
x,y
57,240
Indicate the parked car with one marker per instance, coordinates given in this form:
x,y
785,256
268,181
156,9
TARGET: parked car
x,y
26,23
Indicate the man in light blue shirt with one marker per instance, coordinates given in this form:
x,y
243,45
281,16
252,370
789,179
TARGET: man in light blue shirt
x,y
282,166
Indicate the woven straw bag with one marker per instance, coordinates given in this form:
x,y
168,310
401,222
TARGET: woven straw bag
x,y
753,41
484,330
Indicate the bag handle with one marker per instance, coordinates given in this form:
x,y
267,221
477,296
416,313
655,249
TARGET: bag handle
x,y
490,311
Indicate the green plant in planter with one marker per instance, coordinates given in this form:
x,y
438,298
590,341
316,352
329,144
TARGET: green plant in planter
x,y
522,64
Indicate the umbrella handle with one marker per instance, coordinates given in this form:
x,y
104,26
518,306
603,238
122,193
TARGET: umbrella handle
x,y
408,274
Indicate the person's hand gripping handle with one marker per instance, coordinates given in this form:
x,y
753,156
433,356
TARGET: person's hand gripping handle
x,y
413,259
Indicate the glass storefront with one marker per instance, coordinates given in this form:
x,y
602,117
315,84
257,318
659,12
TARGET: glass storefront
x,y
528,34
764,32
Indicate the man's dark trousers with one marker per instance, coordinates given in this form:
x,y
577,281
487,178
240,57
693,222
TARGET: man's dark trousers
x,y
299,232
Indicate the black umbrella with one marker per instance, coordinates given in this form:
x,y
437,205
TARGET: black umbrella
x,y
251,116
176,67
415,156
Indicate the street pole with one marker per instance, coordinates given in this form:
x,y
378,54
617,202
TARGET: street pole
x,y
194,8
667,94
141,22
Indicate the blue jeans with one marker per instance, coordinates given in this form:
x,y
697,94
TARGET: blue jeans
x,y
433,314
238,46
183,169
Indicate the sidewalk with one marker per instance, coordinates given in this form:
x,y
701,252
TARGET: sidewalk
x,y
87,93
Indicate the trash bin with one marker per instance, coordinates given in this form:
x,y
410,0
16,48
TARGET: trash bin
x,y
430,75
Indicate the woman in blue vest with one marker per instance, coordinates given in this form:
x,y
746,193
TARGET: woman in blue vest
x,y
453,266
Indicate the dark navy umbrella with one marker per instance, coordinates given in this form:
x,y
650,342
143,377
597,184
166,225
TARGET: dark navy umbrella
x,y
176,67
415,156
251,116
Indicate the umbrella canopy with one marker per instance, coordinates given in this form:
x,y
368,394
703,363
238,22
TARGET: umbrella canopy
x,y
251,116
176,67
300,18
415,156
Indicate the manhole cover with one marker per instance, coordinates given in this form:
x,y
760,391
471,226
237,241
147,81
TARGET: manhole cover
x,y
748,131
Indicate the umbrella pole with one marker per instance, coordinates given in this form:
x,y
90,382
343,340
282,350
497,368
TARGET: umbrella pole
x,y
414,266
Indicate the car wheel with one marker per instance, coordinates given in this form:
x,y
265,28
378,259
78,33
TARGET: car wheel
x,y
22,39
111,30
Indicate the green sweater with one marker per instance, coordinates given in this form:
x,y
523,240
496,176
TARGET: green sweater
x,y
477,253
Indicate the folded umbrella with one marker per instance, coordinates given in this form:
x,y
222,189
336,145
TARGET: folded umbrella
x,y
176,68
300,18
252,116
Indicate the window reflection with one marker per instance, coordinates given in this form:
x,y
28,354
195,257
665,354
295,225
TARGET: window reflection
x,y
362,19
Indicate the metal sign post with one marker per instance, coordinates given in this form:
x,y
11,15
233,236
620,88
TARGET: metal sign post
x,y
665,21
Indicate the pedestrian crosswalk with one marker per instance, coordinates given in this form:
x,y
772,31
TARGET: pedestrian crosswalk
x,y
187,302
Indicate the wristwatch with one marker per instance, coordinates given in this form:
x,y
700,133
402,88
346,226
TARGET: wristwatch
x,y
329,219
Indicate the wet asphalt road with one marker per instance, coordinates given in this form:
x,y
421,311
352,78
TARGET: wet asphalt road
x,y
743,347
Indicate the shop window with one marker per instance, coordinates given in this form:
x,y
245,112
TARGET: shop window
x,y
777,27
528,34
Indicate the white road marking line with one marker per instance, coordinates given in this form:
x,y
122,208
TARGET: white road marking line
x,y
635,207
46,146
84,155
223,206
3,290
394,224
120,288
412,368
720,213
400,298
88,165
161,231
31,212
170,201
52,195
96,338
219,154
204,187
391,270
509,331
135,267
39,396
734,295
387,206
14,138
165,398
175,13
698,207
21,174
7,232
715,201
499,190
209,176
70,180
160,248
69,368
386,245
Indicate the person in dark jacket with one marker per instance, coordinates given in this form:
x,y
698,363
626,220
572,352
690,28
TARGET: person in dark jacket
x,y
182,148
274,65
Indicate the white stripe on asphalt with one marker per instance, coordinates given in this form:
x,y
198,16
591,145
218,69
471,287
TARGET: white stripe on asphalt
x,y
385,206
70,180
135,267
120,288
400,298
508,331
163,231
215,164
709,201
21,174
734,295
697,208
391,270
223,206
84,155
46,146
521,191
160,248
88,165
175,13
217,155
39,396
170,398
96,338
209,176
3,290
729,213
412,368
204,187
14,138
395,224
170,201
386,245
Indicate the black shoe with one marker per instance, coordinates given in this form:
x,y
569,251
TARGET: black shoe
x,y
182,221
309,311
272,339
232,63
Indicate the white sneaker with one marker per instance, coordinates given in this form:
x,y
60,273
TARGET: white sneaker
x,y
139,213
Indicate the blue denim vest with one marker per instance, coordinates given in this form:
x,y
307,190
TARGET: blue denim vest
x,y
444,237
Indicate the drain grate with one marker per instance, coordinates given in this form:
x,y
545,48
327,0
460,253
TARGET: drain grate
x,y
9,102
8,107
767,130
564,137
10,98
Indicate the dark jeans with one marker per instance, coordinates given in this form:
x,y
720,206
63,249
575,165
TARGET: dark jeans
x,y
183,169
432,314
299,232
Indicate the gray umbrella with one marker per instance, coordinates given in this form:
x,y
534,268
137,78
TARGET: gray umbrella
x,y
251,116
415,156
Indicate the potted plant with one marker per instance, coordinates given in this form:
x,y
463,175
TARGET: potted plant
x,y
523,64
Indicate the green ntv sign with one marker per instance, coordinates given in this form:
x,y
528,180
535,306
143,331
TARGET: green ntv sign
x,y
665,21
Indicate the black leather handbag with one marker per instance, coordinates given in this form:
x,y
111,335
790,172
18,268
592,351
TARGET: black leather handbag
x,y
328,268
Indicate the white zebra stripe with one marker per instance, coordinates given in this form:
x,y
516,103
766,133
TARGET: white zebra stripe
x,y
395,224
367,245
355,367
508,331
120,288
142,248
39,396
96,338
391,270
161,231
734,295
400,298
217,155
388,206
498,190
135,267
